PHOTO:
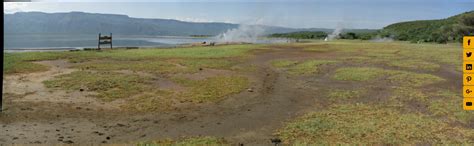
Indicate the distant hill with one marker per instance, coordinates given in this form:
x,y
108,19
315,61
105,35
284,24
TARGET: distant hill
x,y
441,31
93,23
451,29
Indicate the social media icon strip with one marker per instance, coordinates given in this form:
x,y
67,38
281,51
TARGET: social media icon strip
x,y
468,72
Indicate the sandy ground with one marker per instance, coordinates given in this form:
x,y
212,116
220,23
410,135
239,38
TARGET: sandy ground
x,y
35,114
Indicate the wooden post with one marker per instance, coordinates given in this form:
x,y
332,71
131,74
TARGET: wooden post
x,y
98,43
111,41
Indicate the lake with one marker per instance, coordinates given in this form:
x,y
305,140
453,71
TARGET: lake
x,y
37,42
61,42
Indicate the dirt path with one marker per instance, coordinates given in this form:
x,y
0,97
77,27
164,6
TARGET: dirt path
x,y
36,114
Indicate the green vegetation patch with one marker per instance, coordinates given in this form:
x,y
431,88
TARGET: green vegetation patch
x,y
359,73
19,62
342,48
195,64
108,85
202,140
414,79
159,66
150,101
302,67
193,52
14,63
213,88
12,67
308,67
360,123
414,64
152,66
283,63
402,96
442,54
246,68
402,78
341,94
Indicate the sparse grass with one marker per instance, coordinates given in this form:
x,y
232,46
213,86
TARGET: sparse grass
x,y
403,78
213,88
308,67
332,46
359,73
13,63
376,53
18,62
150,101
344,95
365,124
248,68
414,64
12,67
152,66
302,67
108,85
283,63
202,140
194,52
159,66
320,48
449,105
404,95
346,123
195,64
444,54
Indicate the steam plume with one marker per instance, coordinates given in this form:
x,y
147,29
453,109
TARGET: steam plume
x,y
244,33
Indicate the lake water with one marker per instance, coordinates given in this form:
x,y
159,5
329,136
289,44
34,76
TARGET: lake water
x,y
36,42
61,42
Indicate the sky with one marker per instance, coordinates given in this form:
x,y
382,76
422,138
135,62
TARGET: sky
x,y
371,14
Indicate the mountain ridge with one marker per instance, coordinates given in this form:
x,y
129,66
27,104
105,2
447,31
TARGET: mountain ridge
x,y
92,23
439,30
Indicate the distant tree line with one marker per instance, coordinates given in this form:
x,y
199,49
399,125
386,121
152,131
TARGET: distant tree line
x,y
451,29
357,35
302,35
322,35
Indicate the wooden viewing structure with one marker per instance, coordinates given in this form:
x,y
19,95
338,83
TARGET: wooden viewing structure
x,y
104,40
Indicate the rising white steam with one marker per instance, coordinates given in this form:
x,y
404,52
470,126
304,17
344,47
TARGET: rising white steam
x,y
244,33
335,33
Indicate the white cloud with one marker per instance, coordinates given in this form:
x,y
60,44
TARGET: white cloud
x,y
12,7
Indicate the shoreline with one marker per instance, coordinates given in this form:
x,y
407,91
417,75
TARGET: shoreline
x,y
84,48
